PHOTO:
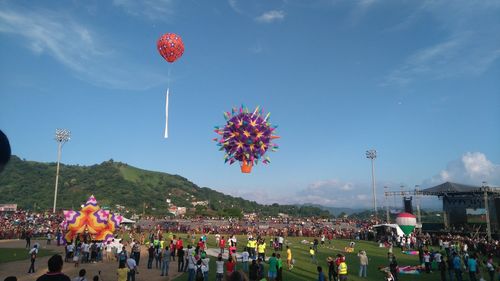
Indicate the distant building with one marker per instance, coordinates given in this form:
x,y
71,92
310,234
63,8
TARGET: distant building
x,y
8,207
177,211
199,203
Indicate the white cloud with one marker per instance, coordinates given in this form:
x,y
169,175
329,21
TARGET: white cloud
x,y
77,47
155,10
271,16
472,168
234,5
470,47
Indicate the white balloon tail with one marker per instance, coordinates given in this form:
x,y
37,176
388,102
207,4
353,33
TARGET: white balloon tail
x,y
166,115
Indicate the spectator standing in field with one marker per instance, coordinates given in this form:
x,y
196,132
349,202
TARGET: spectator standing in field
x,y
253,271
122,272
472,266
342,270
180,259
206,265
321,275
289,258
273,267
490,266
222,245
219,274
244,259
442,269
165,262
279,276
312,253
132,266
363,264
55,265
33,253
332,269
457,266
230,265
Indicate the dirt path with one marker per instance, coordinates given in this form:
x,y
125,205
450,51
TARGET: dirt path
x,y
108,269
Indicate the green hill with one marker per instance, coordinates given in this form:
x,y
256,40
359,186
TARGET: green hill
x,y
30,184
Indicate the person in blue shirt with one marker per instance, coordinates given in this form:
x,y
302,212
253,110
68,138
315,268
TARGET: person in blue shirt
x,y
321,275
472,265
457,266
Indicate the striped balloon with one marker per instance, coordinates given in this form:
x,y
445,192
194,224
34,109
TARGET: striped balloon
x,y
406,222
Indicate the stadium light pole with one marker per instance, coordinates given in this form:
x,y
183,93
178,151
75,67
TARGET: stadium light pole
x,y
372,155
486,207
62,136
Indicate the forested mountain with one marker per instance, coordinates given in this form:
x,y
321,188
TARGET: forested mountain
x,y
30,184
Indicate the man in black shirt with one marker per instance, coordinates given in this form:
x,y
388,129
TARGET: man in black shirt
x,y
180,256
55,267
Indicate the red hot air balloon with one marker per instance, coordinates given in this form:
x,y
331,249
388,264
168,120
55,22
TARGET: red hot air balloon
x,y
170,46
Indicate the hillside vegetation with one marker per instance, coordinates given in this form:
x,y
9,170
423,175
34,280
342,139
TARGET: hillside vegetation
x,y
30,184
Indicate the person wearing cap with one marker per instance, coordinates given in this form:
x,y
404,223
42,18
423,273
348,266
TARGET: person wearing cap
x,y
205,260
342,270
219,274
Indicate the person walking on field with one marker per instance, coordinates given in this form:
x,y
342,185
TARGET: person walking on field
x,y
33,253
363,264
289,258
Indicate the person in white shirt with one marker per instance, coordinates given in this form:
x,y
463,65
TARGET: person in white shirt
x,y
81,276
109,251
244,259
219,274
33,253
205,261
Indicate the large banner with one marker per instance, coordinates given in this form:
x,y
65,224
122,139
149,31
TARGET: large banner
x,y
476,215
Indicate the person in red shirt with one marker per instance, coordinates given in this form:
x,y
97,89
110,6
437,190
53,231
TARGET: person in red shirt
x,y
179,244
222,245
201,245
230,265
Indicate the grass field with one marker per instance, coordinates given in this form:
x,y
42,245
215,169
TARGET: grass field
x,y
17,254
305,270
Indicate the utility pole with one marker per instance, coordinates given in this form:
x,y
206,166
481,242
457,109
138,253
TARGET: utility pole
x,y
417,197
488,225
388,219
372,155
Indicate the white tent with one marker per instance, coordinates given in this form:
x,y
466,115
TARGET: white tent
x,y
399,232
126,221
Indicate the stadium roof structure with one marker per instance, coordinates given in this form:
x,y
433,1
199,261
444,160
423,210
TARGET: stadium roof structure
x,y
457,188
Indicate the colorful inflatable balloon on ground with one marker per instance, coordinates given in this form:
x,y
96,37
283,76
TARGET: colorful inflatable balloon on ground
x,y
406,222
246,137
171,48
91,219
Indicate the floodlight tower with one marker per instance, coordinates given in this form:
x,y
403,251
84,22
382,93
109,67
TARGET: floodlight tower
x,y
372,154
62,136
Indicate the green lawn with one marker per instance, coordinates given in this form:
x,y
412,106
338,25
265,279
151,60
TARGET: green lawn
x,y
305,270
17,254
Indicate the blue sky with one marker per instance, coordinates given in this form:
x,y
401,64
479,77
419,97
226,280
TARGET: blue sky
x,y
416,80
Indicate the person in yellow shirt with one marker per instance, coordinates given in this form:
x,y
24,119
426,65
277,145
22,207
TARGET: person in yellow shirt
x,y
289,257
122,272
313,255
261,250
342,269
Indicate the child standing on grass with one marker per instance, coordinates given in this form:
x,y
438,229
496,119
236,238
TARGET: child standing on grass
x,y
313,255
